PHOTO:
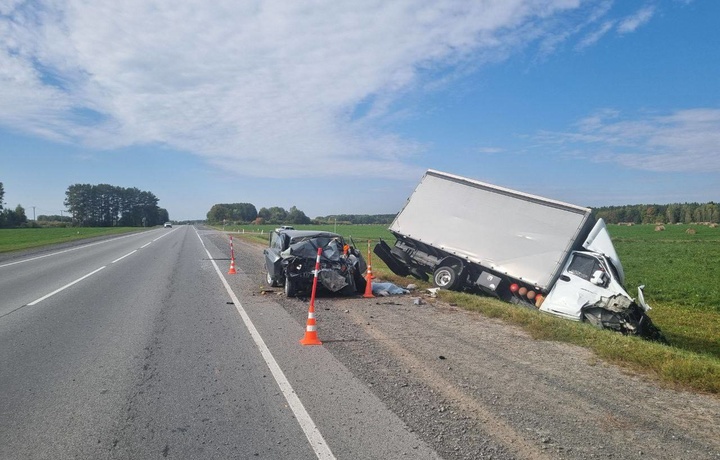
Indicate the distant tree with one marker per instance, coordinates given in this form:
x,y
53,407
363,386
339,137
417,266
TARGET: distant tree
x,y
356,219
278,215
264,213
295,216
163,215
14,218
2,214
107,205
234,212
672,214
217,213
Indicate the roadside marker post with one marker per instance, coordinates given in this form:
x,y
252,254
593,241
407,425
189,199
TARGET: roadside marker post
x,y
368,277
311,337
232,259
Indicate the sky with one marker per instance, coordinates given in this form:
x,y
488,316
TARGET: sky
x,y
340,106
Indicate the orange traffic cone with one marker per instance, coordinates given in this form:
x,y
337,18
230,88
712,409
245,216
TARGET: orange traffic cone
x,y
368,283
311,337
232,258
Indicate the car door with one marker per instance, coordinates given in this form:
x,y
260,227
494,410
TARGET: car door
x,y
272,255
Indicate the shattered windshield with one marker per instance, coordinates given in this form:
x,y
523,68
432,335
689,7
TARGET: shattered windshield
x,y
584,266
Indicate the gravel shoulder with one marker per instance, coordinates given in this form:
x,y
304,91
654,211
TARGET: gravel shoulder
x,y
474,387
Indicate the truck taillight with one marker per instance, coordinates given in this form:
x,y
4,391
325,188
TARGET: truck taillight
x,y
514,288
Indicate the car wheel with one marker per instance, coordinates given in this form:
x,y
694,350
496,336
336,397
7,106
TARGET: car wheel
x,y
445,278
270,281
290,289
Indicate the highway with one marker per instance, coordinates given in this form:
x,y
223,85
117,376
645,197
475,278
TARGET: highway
x,y
143,346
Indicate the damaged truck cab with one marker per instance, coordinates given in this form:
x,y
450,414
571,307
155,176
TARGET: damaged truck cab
x,y
521,248
590,288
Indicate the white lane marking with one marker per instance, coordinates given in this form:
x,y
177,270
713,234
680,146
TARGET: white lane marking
x,y
71,249
317,442
165,234
129,253
146,245
66,286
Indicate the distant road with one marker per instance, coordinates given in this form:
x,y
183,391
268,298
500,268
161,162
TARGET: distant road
x,y
142,346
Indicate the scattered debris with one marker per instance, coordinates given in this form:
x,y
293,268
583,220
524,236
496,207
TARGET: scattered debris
x,y
433,292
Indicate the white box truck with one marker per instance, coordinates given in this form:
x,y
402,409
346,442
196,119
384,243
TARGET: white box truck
x,y
524,249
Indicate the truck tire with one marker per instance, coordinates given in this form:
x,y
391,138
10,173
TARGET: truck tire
x,y
290,289
270,281
446,277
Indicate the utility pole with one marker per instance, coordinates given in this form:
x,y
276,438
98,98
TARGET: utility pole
x,y
33,212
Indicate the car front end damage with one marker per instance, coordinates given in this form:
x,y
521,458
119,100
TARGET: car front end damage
x,y
341,267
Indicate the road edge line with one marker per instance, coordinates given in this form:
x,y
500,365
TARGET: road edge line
x,y
317,442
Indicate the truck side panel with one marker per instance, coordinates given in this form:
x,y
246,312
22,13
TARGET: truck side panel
x,y
521,235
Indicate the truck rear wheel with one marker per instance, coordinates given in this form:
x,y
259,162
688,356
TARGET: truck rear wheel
x,y
445,277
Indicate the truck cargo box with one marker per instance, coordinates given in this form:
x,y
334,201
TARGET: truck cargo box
x,y
524,236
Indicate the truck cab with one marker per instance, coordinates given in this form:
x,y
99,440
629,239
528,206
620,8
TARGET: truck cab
x,y
585,280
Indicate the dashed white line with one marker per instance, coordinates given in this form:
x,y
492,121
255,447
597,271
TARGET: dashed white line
x,y
129,253
65,287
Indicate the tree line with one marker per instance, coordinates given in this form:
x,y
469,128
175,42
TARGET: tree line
x,y
356,219
10,218
247,213
675,213
105,205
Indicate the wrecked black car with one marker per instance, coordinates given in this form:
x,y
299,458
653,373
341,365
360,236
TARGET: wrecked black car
x,y
290,261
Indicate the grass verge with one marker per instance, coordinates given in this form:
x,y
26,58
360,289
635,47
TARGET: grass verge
x,y
670,364
17,239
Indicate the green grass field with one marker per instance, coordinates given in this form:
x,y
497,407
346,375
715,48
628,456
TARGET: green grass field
x,y
16,239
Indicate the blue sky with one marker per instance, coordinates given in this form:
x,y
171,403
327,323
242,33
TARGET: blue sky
x,y
340,106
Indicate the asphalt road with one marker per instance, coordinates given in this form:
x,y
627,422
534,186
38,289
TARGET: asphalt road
x,y
142,346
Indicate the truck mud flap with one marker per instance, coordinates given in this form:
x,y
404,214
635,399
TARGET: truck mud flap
x,y
384,251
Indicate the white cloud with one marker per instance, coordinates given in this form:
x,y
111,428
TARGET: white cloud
x,y
596,26
595,36
630,24
248,85
683,141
